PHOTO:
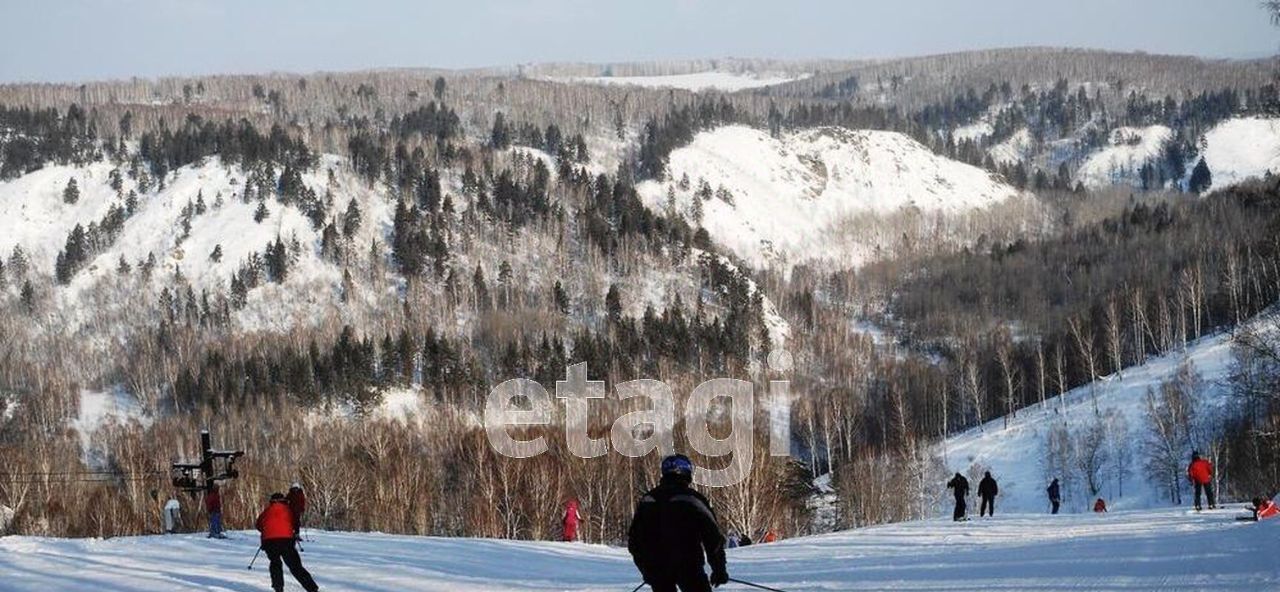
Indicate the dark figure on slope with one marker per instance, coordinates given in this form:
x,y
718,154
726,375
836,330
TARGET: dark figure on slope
x,y
1055,495
674,531
987,490
960,487
278,530
297,501
1200,472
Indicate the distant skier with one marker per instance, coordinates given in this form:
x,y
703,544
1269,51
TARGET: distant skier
x,y
987,490
1200,472
960,487
673,531
1055,495
769,537
297,501
213,507
1264,508
278,530
732,540
572,517
172,516
1100,506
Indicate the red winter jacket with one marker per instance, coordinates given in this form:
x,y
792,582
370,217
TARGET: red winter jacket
x,y
1267,510
1200,471
276,522
571,519
212,502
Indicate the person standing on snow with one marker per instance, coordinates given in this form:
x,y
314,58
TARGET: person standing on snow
x,y
673,531
213,507
297,501
278,530
960,485
1200,472
1055,495
987,490
572,517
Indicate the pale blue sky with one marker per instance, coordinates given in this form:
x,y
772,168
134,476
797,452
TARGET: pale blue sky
x,y
67,40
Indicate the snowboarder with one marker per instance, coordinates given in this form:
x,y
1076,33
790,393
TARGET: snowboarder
x,y
673,531
732,541
1100,506
1200,472
276,523
987,490
1055,495
297,501
1264,508
571,519
960,485
213,507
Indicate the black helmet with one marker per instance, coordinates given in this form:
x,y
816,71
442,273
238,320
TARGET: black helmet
x,y
277,496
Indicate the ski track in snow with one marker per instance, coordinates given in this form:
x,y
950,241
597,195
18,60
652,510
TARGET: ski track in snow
x,y
1167,549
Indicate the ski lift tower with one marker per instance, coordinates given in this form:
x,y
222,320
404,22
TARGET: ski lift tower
x,y
214,466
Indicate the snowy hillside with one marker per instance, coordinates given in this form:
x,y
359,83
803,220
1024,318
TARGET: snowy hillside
x,y
1121,160
724,81
1133,551
1240,148
784,199
1014,455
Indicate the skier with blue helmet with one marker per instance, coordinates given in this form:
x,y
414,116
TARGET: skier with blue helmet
x,y
674,532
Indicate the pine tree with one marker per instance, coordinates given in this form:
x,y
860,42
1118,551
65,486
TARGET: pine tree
x,y
71,194
261,213
216,255
1201,177
560,298
613,304
351,219
28,297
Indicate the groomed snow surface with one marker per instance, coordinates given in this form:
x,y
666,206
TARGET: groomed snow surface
x,y
1131,551
1238,149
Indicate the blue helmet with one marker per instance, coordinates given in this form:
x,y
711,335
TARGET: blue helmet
x,y
677,464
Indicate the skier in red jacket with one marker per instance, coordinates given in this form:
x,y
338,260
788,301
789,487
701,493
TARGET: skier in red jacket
x,y
1264,508
297,500
277,526
572,517
1200,472
213,507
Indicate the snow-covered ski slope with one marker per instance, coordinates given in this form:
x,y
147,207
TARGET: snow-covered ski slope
x,y
1134,551
789,196
1014,454
698,81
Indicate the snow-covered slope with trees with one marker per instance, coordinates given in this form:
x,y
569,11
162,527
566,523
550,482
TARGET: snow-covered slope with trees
x,y
781,199
699,81
1240,148
1135,551
1120,161
1017,455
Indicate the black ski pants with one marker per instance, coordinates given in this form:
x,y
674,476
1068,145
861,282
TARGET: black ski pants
x,y
283,551
1208,493
959,513
692,581
988,507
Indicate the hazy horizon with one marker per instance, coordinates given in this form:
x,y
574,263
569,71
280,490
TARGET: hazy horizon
x,y
84,40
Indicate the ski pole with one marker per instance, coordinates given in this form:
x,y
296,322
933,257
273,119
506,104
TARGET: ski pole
x,y
637,588
255,557
754,586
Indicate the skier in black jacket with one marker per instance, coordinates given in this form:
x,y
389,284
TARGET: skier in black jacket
x,y
673,531
987,490
960,485
1055,495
